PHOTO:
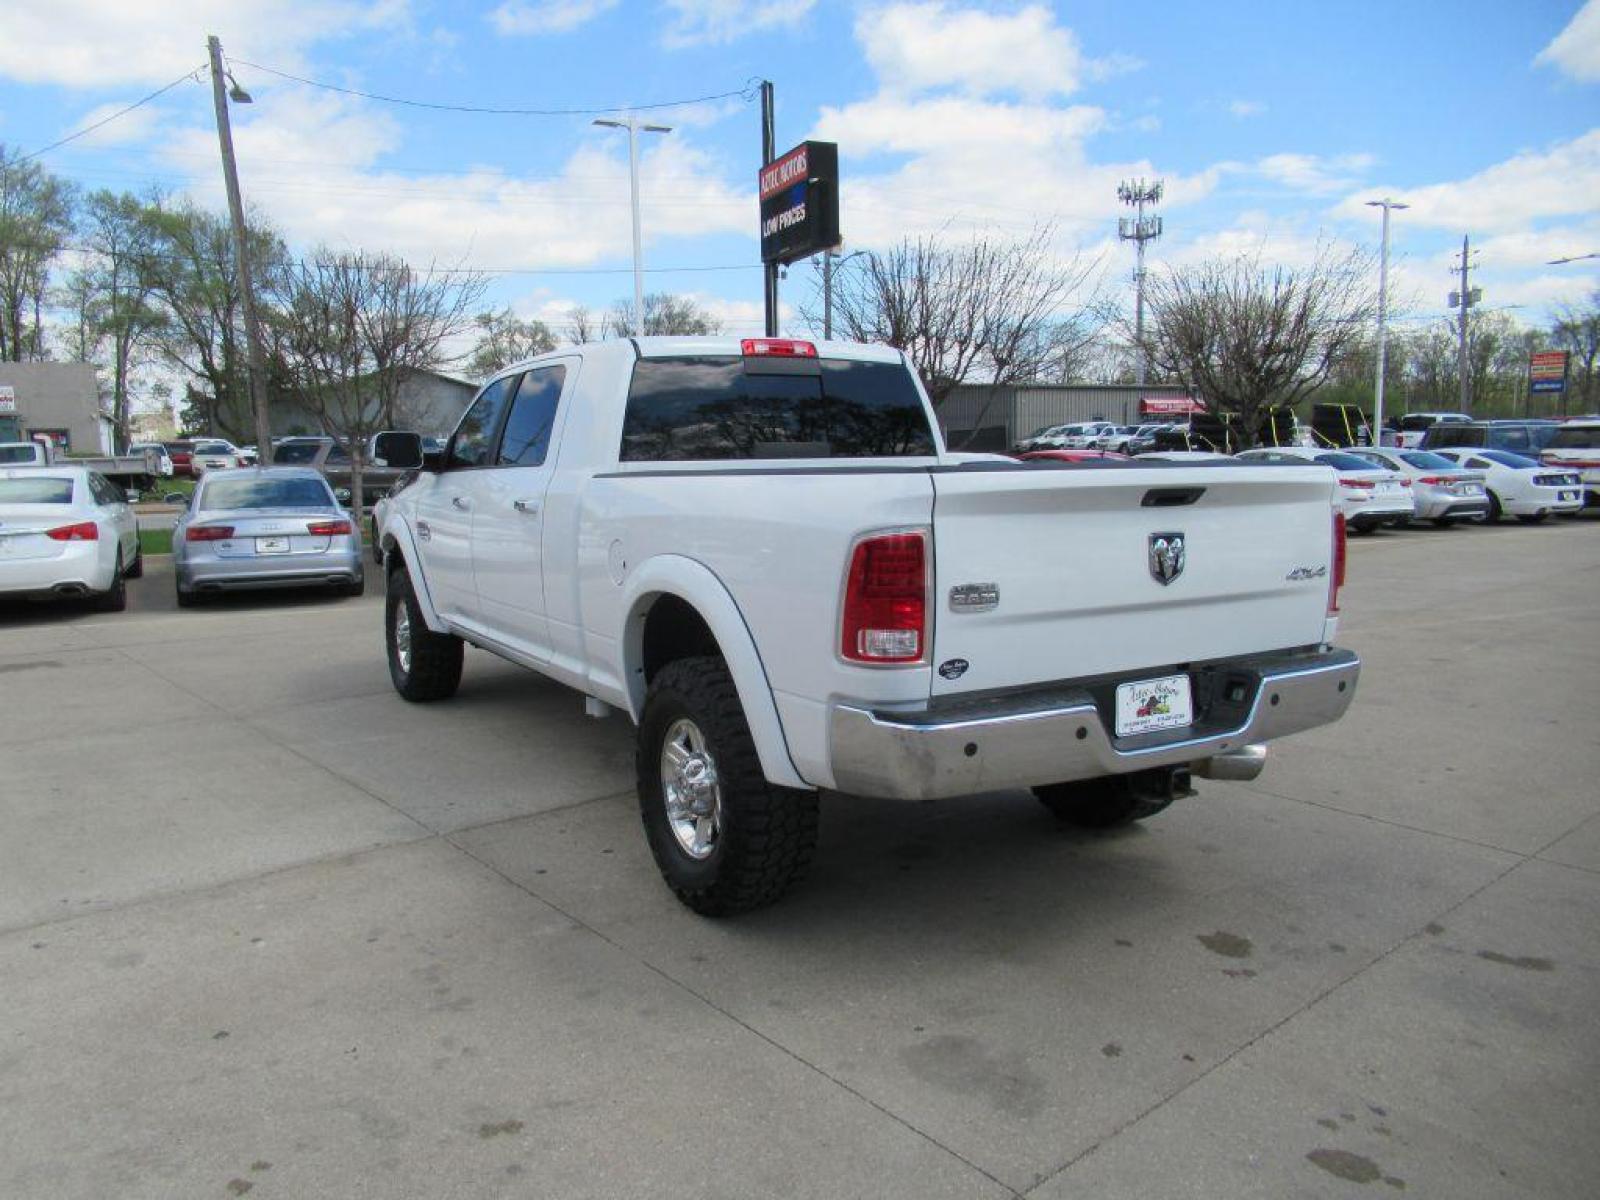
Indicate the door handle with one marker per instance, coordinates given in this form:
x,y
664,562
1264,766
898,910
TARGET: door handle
x,y
461,502
531,507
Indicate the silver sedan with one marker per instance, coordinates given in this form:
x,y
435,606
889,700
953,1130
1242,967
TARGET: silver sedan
x,y
264,527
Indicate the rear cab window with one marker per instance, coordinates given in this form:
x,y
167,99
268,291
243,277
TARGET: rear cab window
x,y
714,409
1568,438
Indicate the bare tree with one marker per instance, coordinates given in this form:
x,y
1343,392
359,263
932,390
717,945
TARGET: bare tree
x,y
504,339
36,212
997,311
349,328
1244,337
582,323
664,315
1577,331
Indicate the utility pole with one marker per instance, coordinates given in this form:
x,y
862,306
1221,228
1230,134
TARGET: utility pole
x,y
635,127
1465,299
1383,314
769,151
241,249
1139,229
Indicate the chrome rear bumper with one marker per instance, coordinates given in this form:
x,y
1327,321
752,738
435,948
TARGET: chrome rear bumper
x,y
1054,736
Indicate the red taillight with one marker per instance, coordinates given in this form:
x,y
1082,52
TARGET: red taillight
x,y
208,533
328,528
83,531
1357,483
1336,576
886,600
776,348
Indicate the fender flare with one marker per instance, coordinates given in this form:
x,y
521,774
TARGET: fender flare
x,y
397,539
696,585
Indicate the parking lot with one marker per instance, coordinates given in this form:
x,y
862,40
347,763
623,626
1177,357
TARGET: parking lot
x,y
266,928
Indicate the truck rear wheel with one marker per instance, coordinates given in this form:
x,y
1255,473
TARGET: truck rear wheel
x,y
726,840
424,666
1114,800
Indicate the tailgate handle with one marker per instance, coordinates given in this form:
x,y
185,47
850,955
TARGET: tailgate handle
x,y
1171,497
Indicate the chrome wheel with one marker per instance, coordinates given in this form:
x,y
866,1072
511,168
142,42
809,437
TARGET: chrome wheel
x,y
402,638
690,788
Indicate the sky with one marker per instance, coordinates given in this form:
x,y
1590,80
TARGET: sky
x,y
1271,126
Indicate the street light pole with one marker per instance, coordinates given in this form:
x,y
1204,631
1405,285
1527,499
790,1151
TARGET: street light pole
x,y
1383,314
634,127
241,250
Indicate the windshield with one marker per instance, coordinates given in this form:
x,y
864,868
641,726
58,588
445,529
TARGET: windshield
x,y
49,489
1507,459
1422,460
296,452
265,493
1345,462
1574,439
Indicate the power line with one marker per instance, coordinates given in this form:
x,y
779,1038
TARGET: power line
x,y
88,129
745,93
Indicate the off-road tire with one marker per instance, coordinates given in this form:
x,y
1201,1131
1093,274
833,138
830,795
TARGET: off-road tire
x,y
766,833
137,570
114,598
1104,803
434,671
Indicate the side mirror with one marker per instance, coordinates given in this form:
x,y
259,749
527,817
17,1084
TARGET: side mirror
x,y
400,450
342,495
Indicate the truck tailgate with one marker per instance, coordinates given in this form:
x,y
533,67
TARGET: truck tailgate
x,y
1069,551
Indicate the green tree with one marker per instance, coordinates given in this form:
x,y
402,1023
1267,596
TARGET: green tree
x,y
1577,331
503,339
665,315
36,213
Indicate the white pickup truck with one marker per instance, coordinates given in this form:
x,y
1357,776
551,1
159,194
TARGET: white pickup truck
x,y
762,552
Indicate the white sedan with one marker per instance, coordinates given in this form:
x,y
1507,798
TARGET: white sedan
x,y
1442,491
1528,490
66,532
1367,495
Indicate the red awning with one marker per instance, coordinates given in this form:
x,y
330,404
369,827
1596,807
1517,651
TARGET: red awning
x,y
1169,406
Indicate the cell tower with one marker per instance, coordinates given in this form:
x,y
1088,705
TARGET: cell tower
x,y
1139,229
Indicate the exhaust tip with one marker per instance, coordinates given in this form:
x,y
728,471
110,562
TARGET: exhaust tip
x,y
1236,766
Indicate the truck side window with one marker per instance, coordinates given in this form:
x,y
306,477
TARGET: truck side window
x,y
474,436
526,440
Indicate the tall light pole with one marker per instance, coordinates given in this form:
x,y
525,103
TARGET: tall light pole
x,y
241,249
1383,314
635,127
1139,229
829,257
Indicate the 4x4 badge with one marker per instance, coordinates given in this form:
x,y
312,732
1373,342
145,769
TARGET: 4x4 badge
x,y
1167,557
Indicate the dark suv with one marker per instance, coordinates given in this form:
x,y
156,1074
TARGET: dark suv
x,y
1519,437
326,455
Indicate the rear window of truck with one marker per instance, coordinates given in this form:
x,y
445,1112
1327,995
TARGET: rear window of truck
x,y
1581,438
711,409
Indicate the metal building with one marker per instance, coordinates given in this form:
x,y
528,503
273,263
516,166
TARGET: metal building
x,y
990,417
57,401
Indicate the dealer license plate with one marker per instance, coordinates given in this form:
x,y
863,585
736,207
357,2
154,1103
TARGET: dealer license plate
x,y
1153,704
272,545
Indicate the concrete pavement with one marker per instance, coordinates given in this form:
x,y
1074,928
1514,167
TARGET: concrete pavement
x,y
264,928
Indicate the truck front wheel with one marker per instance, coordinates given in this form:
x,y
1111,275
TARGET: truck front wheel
x,y
726,840
423,665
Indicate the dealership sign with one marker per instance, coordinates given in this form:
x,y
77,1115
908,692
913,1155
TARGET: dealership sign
x,y
1169,406
8,399
1547,371
800,202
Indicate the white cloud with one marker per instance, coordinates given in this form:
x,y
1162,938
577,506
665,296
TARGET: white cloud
x,y
135,126
716,22
309,164
1314,173
1576,49
1560,181
1246,108
99,43
920,47
547,16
